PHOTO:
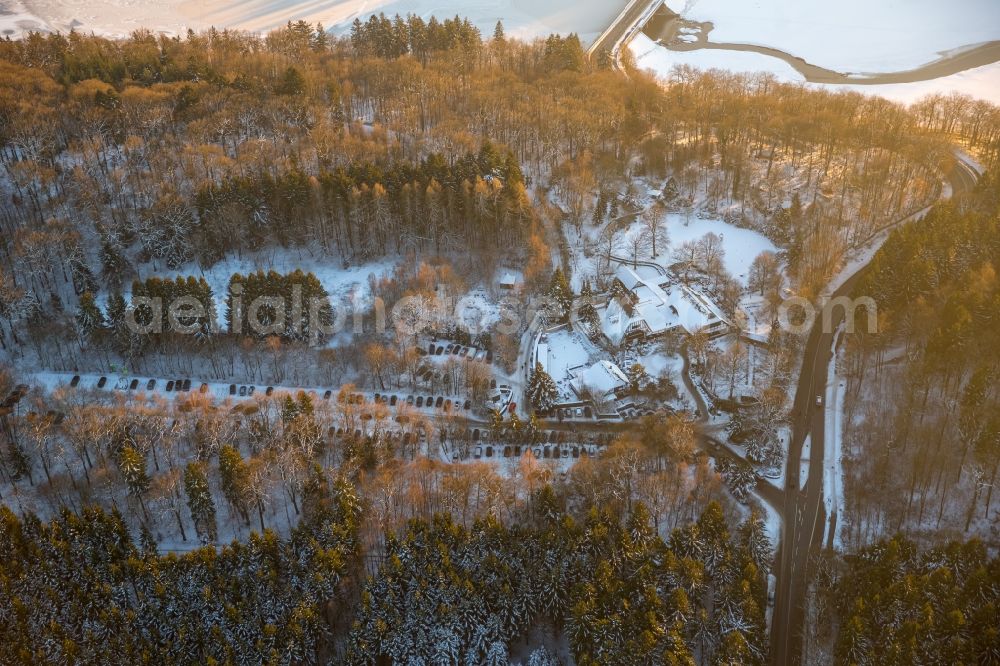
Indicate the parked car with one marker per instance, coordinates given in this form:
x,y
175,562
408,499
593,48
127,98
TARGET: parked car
x,y
251,389
243,391
269,390
392,401
327,394
203,388
232,389
170,386
133,385
187,384
76,380
439,402
151,384
420,401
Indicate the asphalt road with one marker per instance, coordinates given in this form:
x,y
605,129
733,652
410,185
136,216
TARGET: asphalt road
x,y
803,519
627,20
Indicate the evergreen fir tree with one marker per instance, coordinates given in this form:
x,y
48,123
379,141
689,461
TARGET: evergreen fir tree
x,y
234,475
200,502
542,391
133,468
89,318
561,294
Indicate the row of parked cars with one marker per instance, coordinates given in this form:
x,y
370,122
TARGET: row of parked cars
x,y
126,384
516,451
454,349
544,437
430,401
247,390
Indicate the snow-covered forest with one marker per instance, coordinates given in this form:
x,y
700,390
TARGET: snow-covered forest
x,y
402,488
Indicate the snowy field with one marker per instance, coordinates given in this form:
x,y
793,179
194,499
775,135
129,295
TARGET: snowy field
x,y
522,18
741,246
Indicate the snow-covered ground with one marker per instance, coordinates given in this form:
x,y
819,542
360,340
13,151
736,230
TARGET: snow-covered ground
x,y
16,20
345,285
804,462
833,470
565,351
521,18
741,246
852,35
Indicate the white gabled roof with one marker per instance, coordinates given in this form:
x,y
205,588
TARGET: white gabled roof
x,y
603,377
656,309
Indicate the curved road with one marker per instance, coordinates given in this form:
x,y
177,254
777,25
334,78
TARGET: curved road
x,y
803,519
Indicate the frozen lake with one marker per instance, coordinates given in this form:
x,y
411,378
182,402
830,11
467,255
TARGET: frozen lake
x,y
901,50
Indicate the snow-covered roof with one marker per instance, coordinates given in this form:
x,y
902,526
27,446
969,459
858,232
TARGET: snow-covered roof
x,y
603,377
508,280
627,276
657,308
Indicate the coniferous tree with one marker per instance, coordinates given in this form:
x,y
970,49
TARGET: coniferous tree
x,y
542,391
89,318
200,502
561,294
234,475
